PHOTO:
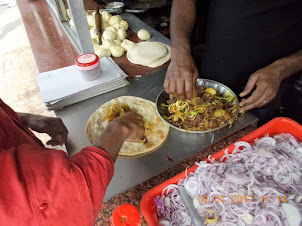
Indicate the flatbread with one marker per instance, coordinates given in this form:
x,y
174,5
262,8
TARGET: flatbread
x,y
156,131
149,53
162,60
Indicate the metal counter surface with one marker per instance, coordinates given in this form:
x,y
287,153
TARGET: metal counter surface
x,y
130,171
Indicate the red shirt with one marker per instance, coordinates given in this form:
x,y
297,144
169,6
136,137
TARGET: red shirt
x,y
41,186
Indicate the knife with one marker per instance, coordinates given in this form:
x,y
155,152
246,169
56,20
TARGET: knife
x,y
196,219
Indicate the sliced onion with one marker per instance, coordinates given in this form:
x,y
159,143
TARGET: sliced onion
x,y
266,170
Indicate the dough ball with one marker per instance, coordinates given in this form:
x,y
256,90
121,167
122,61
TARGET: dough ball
x,y
115,20
93,33
91,21
117,26
71,22
143,34
107,43
68,13
127,44
121,34
124,24
117,42
111,28
106,16
96,46
104,25
117,51
103,52
109,35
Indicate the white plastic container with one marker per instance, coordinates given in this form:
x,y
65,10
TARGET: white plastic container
x,y
89,66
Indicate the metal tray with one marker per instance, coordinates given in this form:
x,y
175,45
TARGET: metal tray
x,y
139,5
163,97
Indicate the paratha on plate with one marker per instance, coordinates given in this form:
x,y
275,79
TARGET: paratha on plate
x,y
156,131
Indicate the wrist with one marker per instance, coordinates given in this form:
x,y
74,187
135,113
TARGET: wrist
x,y
180,50
112,138
118,129
25,117
181,57
281,68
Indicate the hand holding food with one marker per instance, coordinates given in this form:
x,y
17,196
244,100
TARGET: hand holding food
x,y
267,82
181,77
128,126
132,125
155,133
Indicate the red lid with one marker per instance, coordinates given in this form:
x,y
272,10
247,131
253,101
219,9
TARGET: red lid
x,y
86,60
126,215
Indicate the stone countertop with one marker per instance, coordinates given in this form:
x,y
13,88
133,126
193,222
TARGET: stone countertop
x,y
52,50
135,194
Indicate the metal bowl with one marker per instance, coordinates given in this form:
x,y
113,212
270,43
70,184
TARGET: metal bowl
x,y
163,97
115,7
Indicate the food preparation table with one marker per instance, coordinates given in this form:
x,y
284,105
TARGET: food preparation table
x,y
130,171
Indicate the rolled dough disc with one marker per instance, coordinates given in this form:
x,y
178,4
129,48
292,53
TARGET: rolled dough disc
x,y
147,53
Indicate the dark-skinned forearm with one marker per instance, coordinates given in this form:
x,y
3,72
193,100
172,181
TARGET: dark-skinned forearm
x,y
289,65
112,139
183,15
24,117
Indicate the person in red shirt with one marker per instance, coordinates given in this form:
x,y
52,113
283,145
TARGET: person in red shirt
x,y
41,186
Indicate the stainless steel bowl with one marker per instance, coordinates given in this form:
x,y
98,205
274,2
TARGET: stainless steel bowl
x,y
163,97
115,7
119,7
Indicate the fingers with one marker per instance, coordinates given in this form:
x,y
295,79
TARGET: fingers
x,y
250,85
183,89
194,84
260,97
189,89
136,126
172,88
52,142
267,80
167,85
57,130
180,92
181,78
257,95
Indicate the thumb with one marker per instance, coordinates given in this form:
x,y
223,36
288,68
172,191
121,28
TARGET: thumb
x,y
249,85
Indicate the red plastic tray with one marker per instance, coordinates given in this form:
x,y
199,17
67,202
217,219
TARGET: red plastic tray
x,y
275,126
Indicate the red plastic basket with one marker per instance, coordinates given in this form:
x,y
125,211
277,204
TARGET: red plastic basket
x,y
275,126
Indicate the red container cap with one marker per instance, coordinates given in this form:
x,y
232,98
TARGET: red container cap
x,y
126,215
87,60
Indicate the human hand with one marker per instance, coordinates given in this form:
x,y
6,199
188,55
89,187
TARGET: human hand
x,y
181,77
53,126
267,82
129,126
132,126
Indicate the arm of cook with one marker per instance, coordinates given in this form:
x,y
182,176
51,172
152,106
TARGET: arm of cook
x,y
52,186
182,72
53,126
267,81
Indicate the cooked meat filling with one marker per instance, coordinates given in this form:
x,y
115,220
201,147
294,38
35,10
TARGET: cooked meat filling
x,y
208,110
